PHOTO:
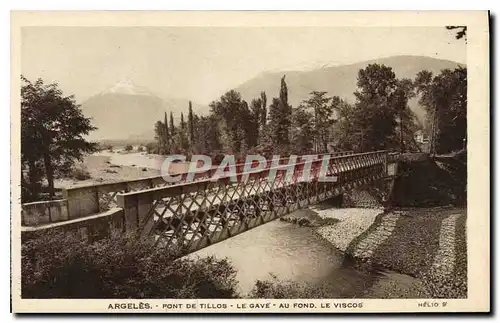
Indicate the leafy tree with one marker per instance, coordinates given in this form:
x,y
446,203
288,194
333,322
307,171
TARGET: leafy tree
x,y
52,134
380,117
160,136
444,97
318,103
256,105
128,148
375,111
209,135
345,136
407,120
230,112
302,131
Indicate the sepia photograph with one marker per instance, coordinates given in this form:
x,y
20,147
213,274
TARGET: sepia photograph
x,y
255,165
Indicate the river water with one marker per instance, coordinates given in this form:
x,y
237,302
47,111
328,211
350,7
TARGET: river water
x,y
289,252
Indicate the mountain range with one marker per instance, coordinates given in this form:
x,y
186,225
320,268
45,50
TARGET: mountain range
x,y
128,111
339,80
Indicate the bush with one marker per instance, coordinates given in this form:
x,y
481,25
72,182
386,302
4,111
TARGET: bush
x,y
140,149
275,288
151,148
62,265
128,148
110,148
80,173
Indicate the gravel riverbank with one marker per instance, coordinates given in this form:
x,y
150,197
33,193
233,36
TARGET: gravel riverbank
x,y
352,222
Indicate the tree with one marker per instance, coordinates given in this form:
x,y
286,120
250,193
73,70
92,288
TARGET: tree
x,y
263,114
52,133
280,117
166,133
444,97
302,131
208,135
322,111
172,127
407,121
380,117
256,118
344,134
230,111
375,111
183,123
160,136
183,140
191,124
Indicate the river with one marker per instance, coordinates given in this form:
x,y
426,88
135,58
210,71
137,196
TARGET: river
x,y
291,253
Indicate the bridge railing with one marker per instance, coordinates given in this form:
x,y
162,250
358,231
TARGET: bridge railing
x,y
193,215
88,199
37,213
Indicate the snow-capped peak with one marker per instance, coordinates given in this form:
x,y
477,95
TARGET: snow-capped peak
x,y
126,86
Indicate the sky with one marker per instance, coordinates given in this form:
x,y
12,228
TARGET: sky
x,y
201,63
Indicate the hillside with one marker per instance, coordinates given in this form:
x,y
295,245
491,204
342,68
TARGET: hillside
x,y
338,80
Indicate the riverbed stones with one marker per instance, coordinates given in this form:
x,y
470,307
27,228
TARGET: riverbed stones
x,y
442,278
365,249
360,198
351,223
395,285
444,261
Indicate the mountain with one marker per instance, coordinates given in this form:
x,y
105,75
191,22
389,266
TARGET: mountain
x,y
338,80
128,111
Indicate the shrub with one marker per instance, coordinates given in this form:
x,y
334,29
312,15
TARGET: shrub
x,y
151,148
110,148
128,148
80,173
63,265
275,288
140,149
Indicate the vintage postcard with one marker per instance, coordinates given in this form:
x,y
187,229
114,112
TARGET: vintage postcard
x,y
256,162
